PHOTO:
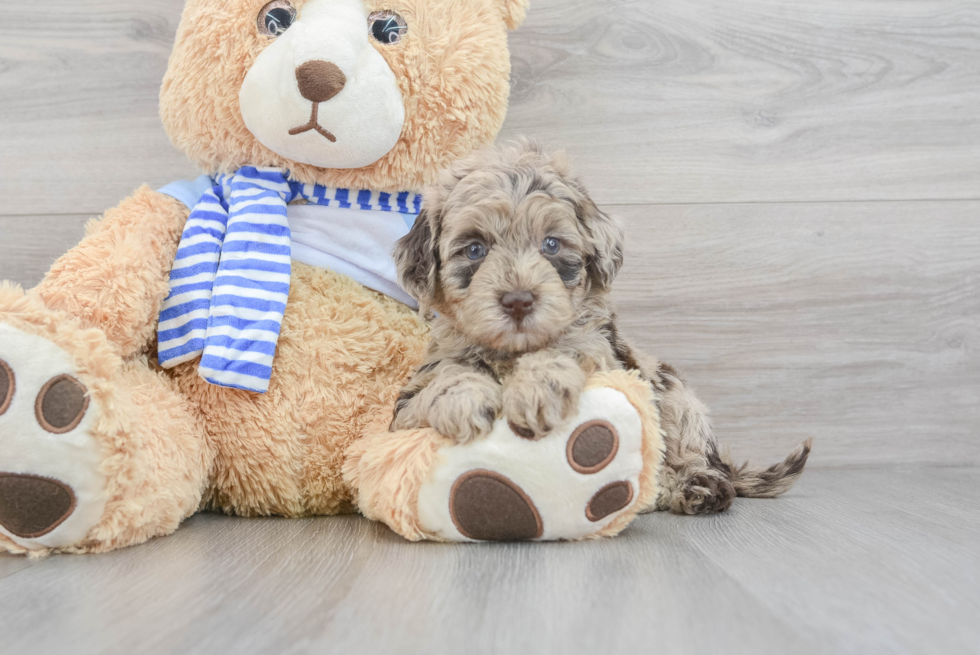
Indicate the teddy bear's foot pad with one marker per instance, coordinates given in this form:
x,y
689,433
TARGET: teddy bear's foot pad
x,y
51,490
567,485
487,506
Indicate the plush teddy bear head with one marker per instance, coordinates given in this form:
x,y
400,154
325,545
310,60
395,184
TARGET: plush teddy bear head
x,y
376,94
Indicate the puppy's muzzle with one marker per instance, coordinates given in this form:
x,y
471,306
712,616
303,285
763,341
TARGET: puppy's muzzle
x,y
517,304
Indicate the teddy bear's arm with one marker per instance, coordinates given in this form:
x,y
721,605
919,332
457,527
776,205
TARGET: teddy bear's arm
x,y
116,278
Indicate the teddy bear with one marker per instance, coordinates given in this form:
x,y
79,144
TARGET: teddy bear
x,y
236,343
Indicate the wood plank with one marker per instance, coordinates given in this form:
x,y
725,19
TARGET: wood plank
x,y
755,100
751,100
878,560
881,559
78,102
855,323
30,244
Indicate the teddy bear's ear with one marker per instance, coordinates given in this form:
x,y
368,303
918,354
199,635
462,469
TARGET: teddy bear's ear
x,y
514,12
416,256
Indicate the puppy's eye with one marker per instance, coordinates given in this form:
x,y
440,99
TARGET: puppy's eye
x,y
550,246
476,251
387,27
276,17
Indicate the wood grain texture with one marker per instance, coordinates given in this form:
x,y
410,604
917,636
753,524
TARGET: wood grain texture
x,y
861,560
756,100
694,101
78,104
854,323
30,244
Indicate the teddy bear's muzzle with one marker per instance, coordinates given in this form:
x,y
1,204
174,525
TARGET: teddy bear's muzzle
x,y
318,82
31,506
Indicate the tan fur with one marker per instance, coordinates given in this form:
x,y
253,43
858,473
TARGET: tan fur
x,y
156,456
390,468
282,452
508,203
388,471
642,396
118,279
452,68
175,443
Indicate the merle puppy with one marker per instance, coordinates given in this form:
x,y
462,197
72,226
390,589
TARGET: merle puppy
x,y
518,261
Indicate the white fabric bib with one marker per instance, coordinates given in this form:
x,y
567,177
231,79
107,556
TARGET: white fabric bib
x,y
352,242
357,243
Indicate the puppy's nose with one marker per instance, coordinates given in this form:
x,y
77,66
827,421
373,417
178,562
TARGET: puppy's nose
x,y
517,304
320,80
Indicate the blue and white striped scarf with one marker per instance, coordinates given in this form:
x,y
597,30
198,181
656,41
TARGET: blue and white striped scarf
x,y
230,279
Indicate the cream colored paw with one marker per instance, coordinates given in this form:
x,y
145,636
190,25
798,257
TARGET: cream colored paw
x,y
569,484
51,490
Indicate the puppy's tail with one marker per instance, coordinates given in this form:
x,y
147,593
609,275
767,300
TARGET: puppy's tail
x,y
772,481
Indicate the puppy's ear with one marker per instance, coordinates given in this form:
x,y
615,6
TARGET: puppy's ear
x,y
607,237
514,12
604,235
416,256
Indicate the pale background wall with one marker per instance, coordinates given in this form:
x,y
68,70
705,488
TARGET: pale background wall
x,y
801,181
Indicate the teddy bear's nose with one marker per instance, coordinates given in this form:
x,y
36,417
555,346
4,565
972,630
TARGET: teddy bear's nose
x,y
320,80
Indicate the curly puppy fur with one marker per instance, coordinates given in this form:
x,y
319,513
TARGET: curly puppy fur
x,y
518,261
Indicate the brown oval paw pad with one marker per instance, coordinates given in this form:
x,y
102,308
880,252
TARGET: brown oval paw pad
x,y
32,506
6,386
61,404
592,446
487,506
611,498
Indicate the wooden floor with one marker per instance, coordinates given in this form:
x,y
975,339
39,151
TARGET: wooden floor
x,y
881,560
801,181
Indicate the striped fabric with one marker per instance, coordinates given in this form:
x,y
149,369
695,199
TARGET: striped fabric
x,y
230,279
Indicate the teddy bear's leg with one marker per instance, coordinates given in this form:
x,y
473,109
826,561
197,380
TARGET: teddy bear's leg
x,y
588,478
96,452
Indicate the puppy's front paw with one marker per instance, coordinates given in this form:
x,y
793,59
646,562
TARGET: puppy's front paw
x,y
539,399
463,408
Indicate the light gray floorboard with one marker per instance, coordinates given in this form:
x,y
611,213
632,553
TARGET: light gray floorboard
x,y
694,101
852,560
29,244
853,323
793,313
79,91
756,100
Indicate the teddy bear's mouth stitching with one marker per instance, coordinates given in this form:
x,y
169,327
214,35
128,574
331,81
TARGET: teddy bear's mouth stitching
x,y
313,125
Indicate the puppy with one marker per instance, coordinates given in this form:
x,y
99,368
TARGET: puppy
x,y
518,261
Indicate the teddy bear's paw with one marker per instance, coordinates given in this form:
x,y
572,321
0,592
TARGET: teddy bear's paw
x,y
570,484
51,489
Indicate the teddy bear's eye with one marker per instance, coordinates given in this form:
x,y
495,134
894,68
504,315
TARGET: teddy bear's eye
x,y
387,27
276,17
